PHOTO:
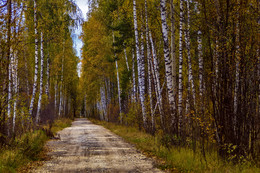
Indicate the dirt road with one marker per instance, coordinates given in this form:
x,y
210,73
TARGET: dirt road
x,y
86,147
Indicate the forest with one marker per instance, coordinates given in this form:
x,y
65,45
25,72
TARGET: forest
x,y
187,71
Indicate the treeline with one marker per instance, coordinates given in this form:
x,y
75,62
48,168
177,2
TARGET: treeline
x,y
38,67
189,69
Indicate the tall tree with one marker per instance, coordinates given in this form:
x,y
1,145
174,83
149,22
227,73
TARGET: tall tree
x,y
168,63
180,69
141,82
41,83
36,58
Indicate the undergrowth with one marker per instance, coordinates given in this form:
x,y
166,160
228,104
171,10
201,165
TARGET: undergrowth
x,y
27,148
176,159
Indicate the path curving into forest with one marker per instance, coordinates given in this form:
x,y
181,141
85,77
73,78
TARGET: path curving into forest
x,y
86,147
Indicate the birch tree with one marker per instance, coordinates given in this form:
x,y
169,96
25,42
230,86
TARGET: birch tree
x,y
36,59
15,86
149,60
168,63
41,83
157,79
200,57
47,92
141,83
133,78
126,60
180,69
173,56
190,73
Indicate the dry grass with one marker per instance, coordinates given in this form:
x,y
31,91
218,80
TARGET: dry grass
x,y
176,159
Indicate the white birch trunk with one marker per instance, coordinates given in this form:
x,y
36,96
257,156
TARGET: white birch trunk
x,y
61,100
61,93
36,60
156,78
126,60
201,63
119,92
187,39
47,92
118,85
149,60
41,83
133,78
173,57
180,69
15,86
168,62
141,83
55,99
103,101
10,69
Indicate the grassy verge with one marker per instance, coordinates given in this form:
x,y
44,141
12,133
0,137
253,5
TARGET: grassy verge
x,y
176,159
26,151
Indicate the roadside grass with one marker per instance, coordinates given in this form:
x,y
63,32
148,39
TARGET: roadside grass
x,y
176,159
25,151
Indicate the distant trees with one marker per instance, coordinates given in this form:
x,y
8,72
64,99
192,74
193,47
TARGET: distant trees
x,y
211,89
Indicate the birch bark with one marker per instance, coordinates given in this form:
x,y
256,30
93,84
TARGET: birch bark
x,y
201,64
41,83
141,83
47,92
187,39
10,69
36,59
157,78
173,57
55,99
119,92
133,78
118,85
149,62
168,63
9,66
61,83
15,86
180,69
126,60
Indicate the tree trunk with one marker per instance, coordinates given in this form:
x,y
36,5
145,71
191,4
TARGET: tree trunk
x,y
47,92
141,83
180,70
237,73
119,92
61,82
133,78
126,59
55,95
173,57
168,64
190,76
149,60
157,79
41,84
10,69
36,59
15,86
118,85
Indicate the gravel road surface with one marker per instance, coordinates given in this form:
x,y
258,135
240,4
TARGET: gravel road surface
x,y
86,147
